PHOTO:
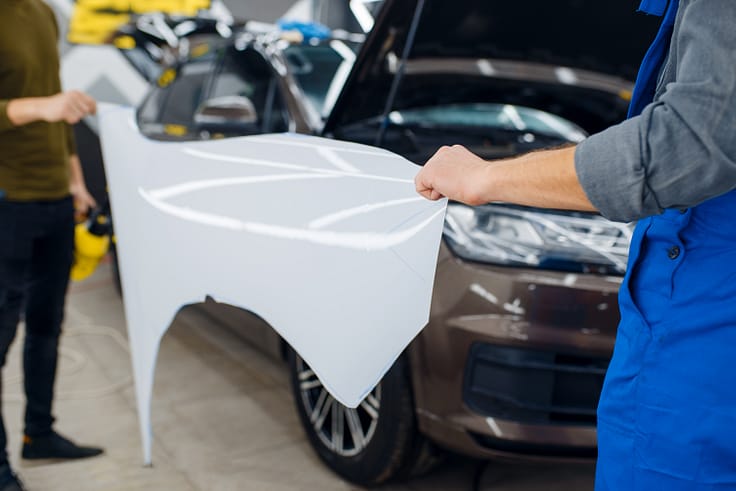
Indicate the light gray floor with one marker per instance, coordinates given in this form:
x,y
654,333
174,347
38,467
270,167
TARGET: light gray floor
x,y
223,415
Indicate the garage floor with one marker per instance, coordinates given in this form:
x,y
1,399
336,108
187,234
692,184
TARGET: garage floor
x,y
223,415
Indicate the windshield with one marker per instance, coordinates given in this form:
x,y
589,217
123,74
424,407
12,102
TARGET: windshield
x,y
497,116
492,131
321,70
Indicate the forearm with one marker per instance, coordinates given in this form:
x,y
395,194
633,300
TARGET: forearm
x,y
545,179
69,107
83,201
76,175
25,111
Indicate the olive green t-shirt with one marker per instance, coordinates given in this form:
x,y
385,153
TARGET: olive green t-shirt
x,y
34,158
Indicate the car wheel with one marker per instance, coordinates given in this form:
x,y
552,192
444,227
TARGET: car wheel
x,y
368,445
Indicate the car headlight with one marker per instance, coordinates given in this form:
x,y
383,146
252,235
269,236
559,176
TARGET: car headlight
x,y
515,236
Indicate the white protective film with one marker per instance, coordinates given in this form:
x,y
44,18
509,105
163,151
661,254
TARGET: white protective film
x,y
325,240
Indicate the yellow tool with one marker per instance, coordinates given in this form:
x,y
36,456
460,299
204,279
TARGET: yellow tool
x,y
91,243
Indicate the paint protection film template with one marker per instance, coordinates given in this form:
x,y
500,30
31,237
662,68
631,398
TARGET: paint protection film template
x,y
325,240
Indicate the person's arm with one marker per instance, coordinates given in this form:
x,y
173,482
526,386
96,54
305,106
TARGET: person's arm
x,y
543,179
69,107
83,200
679,152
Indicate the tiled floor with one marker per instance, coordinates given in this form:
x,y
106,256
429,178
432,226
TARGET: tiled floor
x,y
223,415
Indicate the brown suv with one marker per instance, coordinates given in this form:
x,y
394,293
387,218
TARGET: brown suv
x,y
524,311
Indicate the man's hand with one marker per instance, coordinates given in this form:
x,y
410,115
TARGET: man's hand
x,y
455,173
69,107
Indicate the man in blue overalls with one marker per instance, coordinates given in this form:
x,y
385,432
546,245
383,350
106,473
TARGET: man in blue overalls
x,y
667,415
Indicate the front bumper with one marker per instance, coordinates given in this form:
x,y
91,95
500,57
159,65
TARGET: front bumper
x,y
512,361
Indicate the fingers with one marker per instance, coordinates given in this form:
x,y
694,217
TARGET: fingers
x,y
429,178
435,195
73,114
90,201
424,189
69,107
84,203
83,103
77,105
454,173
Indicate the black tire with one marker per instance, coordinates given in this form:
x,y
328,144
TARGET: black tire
x,y
391,447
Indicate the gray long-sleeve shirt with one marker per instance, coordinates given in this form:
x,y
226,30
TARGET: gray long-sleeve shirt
x,y
681,150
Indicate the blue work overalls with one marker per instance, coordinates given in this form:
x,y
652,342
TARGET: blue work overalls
x,y
667,416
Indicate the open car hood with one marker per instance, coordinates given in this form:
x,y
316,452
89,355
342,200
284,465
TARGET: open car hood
x,y
595,44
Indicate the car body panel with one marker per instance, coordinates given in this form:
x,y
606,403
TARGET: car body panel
x,y
531,309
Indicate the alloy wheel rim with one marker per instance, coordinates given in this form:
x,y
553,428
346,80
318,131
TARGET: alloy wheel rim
x,y
344,431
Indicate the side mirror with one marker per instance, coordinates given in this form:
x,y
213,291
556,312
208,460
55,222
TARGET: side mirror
x,y
227,114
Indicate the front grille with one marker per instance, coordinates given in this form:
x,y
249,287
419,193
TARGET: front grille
x,y
531,386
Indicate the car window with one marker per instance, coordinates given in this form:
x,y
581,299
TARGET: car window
x,y
186,94
246,73
321,70
169,110
315,69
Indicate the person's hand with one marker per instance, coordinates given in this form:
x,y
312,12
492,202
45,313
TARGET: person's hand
x,y
83,200
454,173
69,107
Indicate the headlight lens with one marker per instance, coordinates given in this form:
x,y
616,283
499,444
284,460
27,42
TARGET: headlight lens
x,y
513,236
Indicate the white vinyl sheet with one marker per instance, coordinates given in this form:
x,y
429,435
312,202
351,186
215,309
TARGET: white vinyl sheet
x,y
326,241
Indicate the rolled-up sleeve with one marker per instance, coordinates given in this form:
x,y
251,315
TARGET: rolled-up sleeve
x,y
681,150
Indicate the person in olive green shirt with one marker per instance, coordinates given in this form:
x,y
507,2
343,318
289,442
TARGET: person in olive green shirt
x,y
41,185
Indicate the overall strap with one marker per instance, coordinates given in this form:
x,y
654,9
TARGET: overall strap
x,y
646,80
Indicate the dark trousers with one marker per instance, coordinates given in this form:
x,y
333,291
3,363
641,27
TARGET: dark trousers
x,y
36,251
